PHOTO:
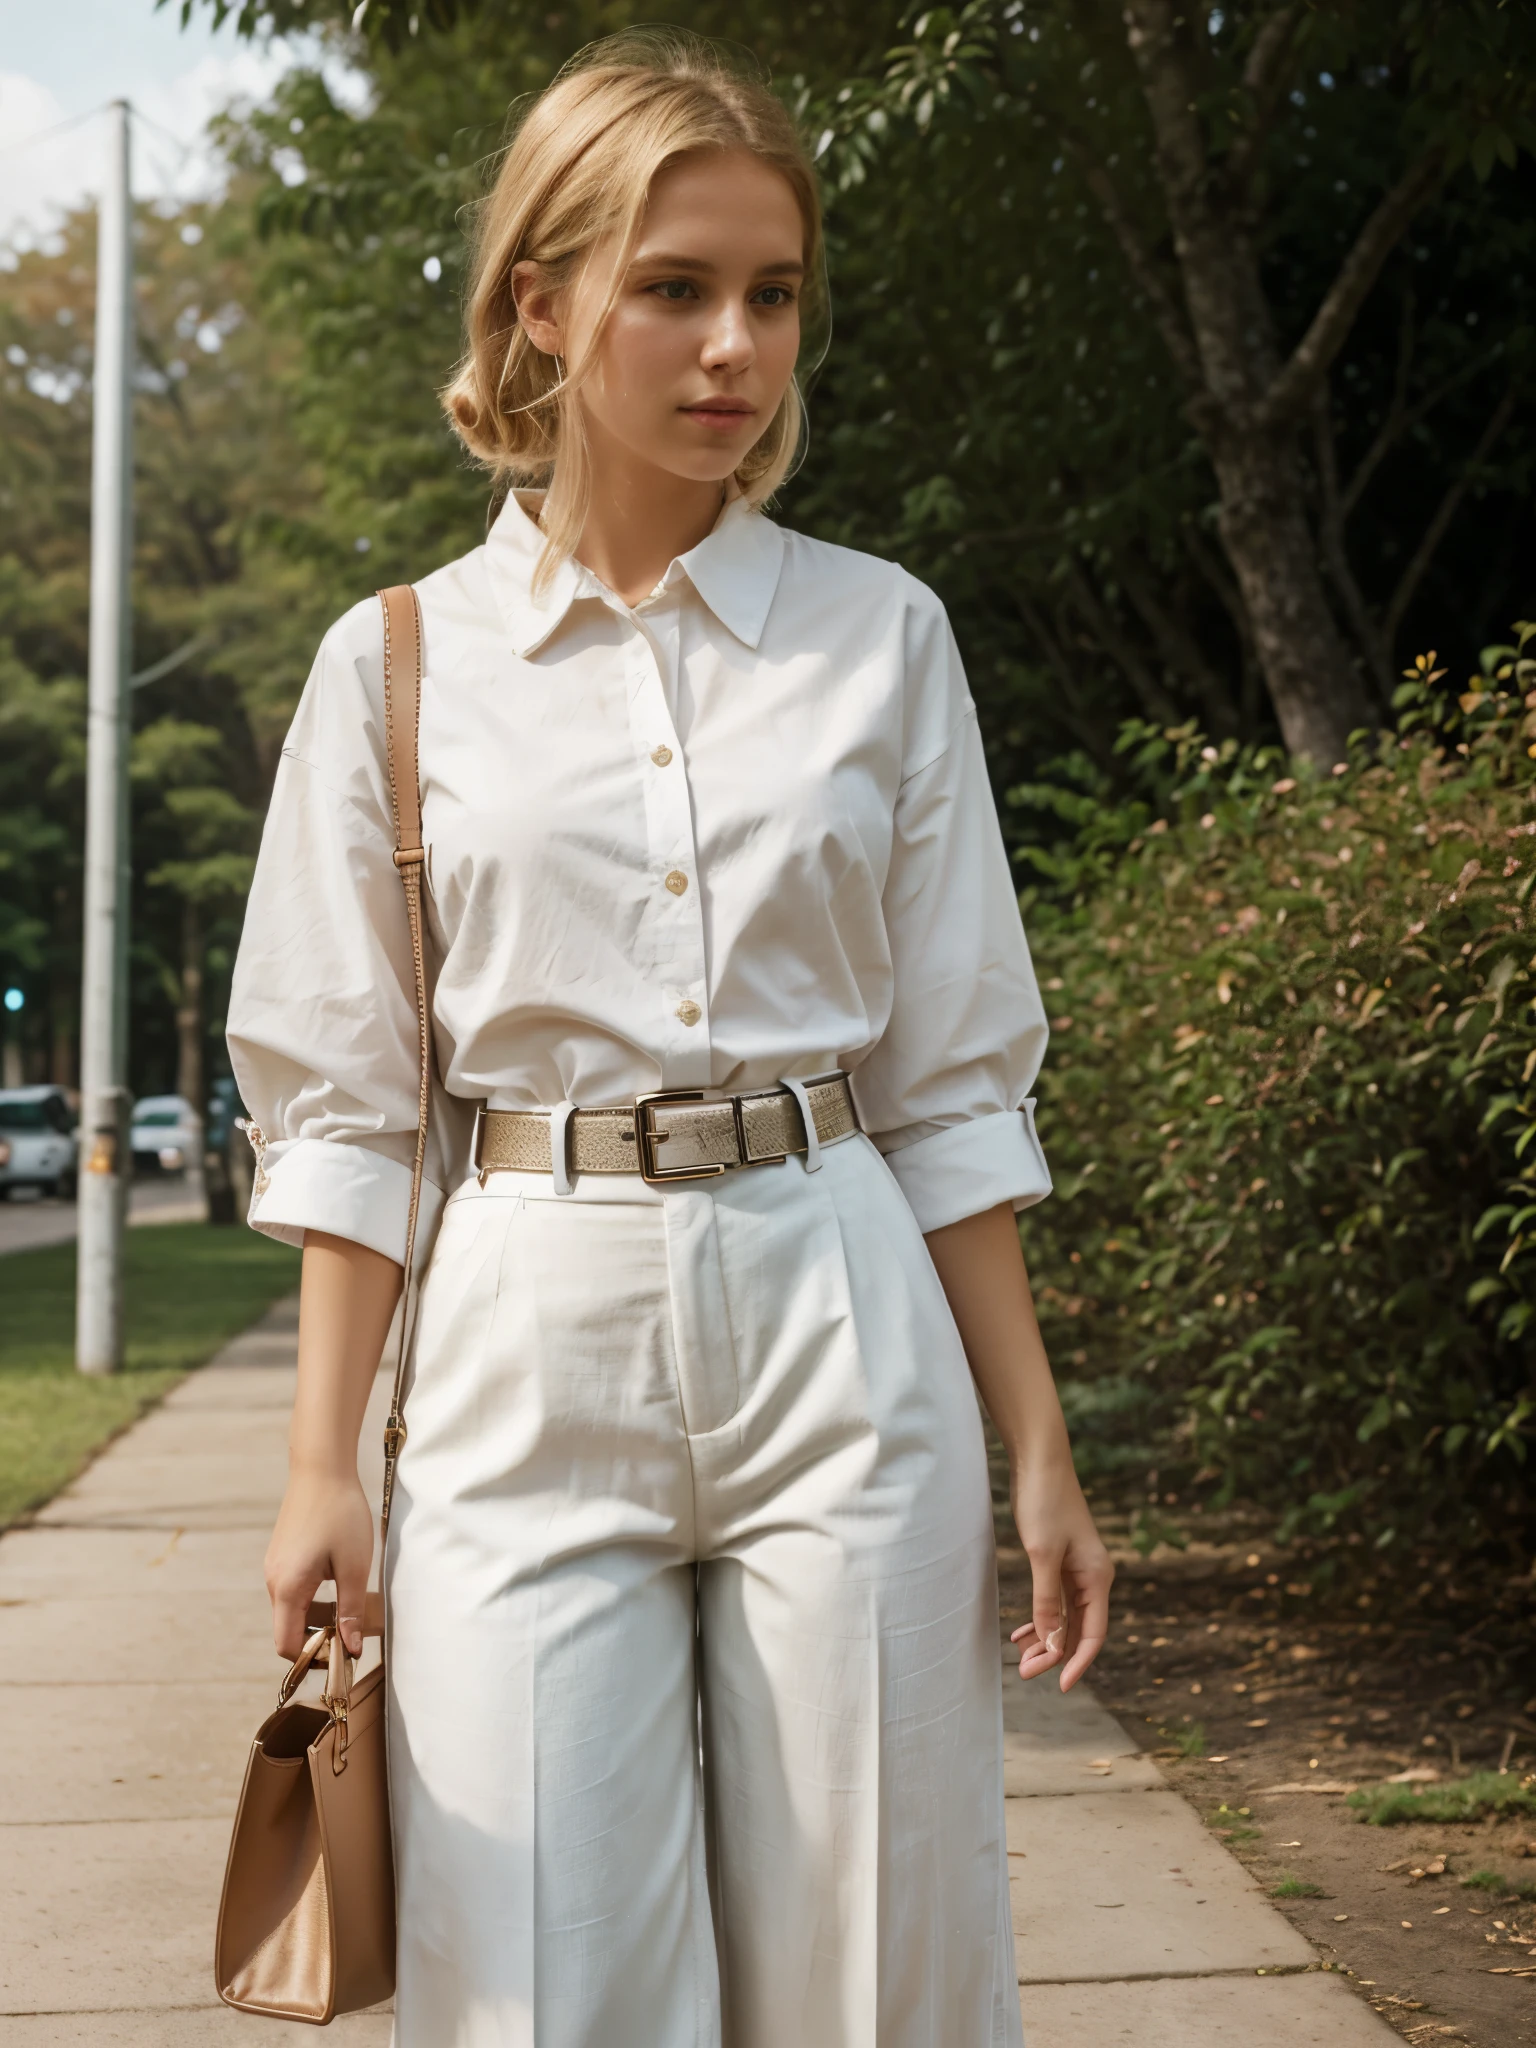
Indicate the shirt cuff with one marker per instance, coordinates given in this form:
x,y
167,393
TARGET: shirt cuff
x,y
322,1184
973,1167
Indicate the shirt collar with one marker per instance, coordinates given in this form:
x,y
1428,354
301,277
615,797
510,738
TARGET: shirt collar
x,y
735,570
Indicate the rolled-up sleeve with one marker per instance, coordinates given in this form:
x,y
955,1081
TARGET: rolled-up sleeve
x,y
322,1016
946,1093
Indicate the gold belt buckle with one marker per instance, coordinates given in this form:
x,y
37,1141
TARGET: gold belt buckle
x,y
647,1138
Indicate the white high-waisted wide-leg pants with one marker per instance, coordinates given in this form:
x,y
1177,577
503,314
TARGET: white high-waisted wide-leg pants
x,y
695,1722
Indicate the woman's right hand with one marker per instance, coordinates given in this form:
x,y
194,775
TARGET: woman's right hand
x,y
324,1531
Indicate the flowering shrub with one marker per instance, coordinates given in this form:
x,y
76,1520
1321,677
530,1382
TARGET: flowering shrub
x,y
1290,1109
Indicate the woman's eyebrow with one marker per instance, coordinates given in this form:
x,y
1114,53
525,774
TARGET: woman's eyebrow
x,y
701,266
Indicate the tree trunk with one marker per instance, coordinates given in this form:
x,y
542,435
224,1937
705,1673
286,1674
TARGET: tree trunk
x,y
1317,692
1245,404
64,998
63,1068
189,1012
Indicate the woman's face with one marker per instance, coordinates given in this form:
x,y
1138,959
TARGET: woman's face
x,y
701,342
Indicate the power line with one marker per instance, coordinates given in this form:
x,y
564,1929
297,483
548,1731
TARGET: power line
x,y
148,121
157,669
169,170
58,128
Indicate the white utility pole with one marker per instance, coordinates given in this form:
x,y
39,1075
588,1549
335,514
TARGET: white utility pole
x,y
106,1161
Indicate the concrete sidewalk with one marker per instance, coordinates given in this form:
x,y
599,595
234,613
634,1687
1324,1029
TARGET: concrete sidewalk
x,y
1132,1924
136,1662
135,1665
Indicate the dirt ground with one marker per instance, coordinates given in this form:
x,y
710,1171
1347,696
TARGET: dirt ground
x,y
1243,1673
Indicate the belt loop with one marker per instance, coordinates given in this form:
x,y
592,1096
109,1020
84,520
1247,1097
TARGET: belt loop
x,y
476,1141
812,1142
559,1146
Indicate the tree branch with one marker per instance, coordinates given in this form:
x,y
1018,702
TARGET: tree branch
x,y
1264,73
1295,388
1330,535
1445,512
1393,424
1223,298
1216,574
1264,77
1179,648
1056,661
1150,694
1170,88
1144,267
1408,419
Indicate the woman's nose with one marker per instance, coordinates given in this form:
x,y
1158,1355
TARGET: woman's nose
x,y
730,345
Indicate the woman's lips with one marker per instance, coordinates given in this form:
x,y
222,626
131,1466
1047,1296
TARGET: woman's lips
x,y
720,416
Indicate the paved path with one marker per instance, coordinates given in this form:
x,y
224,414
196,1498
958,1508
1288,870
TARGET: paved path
x,y
27,1223
135,1663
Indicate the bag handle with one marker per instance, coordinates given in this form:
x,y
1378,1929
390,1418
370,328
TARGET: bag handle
x,y
402,725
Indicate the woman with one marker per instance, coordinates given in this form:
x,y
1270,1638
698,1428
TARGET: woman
x,y
695,1724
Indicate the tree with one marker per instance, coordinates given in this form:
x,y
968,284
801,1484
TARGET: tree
x,y
228,600
210,838
1156,347
1191,183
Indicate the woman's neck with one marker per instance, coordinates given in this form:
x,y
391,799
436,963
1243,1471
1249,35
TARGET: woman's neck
x,y
640,519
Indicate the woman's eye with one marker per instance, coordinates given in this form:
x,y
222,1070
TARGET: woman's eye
x,y
673,289
773,295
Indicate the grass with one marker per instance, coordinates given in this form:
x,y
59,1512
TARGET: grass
x,y
1187,1741
190,1286
1296,1888
1484,1792
1505,1887
1233,1824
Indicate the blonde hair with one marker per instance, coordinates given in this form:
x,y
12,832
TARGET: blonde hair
x,y
580,169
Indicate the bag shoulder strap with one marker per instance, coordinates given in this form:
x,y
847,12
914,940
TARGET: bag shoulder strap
x,y
402,725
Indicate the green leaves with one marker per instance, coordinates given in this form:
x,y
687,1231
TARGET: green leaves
x,y
1335,1214
218,478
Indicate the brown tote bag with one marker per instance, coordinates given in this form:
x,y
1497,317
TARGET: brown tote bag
x,y
307,1918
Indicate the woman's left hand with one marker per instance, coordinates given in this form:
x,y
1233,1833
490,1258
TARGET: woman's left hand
x,y
1071,1571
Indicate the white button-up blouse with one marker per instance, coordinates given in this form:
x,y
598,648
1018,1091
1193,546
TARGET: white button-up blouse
x,y
739,831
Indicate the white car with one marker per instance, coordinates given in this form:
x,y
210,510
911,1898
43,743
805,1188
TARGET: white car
x,y
37,1141
166,1134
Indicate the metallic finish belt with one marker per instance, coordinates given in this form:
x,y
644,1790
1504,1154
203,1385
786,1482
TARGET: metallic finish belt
x,y
672,1134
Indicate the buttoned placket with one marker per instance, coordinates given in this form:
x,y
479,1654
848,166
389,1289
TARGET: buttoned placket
x,y
676,921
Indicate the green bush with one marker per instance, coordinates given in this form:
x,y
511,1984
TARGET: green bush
x,y
1290,1111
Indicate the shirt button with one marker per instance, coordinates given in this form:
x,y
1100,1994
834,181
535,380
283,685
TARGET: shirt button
x,y
677,881
688,1012
661,756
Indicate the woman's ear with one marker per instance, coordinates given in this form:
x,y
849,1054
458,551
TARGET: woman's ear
x,y
536,308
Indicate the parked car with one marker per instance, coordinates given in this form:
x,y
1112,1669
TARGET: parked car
x,y
165,1134
37,1141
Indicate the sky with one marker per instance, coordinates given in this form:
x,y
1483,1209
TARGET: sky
x,y
61,60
